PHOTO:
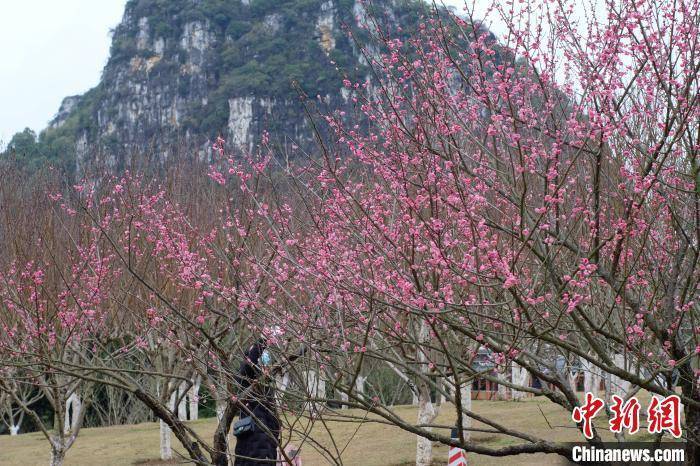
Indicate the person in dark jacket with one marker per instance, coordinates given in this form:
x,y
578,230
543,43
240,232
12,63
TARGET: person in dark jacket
x,y
260,444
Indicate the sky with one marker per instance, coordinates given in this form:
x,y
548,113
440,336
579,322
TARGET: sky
x,y
52,49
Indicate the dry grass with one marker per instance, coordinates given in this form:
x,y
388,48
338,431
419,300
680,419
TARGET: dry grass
x,y
372,444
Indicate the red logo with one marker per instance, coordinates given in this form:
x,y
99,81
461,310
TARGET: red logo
x,y
665,414
625,415
587,412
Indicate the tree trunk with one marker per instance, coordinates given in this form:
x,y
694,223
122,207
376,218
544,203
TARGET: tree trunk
x,y
572,379
692,431
619,387
465,400
77,413
518,376
591,377
221,443
14,429
58,454
466,397
193,397
607,383
344,398
504,393
310,379
166,450
74,406
321,387
281,384
166,415
446,392
315,388
66,415
426,410
220,408
690,387
360,385
182,401
426,415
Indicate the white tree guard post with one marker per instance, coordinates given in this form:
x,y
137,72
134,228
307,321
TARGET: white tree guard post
x,y
193,398
166,450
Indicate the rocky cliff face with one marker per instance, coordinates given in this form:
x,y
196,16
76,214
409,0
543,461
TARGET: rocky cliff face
x,y
182,72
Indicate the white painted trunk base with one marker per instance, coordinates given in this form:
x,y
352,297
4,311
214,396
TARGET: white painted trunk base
x,y
426,415
166,450
74,406
193,397
518,376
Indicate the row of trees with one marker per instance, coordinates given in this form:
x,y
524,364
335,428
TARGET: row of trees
x,y
535,200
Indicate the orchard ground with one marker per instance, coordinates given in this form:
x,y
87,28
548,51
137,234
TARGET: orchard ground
x,y
372,444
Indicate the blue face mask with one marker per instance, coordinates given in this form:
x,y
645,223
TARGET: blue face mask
x,y
265,358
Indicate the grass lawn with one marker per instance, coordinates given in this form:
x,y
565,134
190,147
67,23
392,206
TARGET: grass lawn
x,y
371,444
